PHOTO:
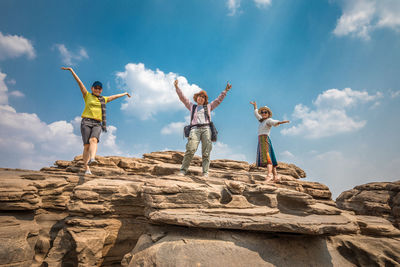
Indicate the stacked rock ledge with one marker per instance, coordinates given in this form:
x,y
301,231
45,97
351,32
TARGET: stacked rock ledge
x,y
139,212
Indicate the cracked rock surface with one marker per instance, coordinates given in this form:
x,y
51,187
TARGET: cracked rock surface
x,y
139,212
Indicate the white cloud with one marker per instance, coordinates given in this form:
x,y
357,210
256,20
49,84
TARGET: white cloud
x,y
262,3
4,93
12,46
334,98
287,154
394,94
70,58
330,114
12,82
233,6
341,170
152,91
29,143
17,93
173,128
361,17
224,151
3,89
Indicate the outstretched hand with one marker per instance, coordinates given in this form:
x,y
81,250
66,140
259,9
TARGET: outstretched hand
x,y
283,122
228,86
176,83
64,68
127,94
253,103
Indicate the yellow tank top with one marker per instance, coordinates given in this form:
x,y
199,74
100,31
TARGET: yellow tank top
x,y
92,107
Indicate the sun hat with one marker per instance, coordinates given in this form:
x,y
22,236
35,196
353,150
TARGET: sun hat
x,y
202,92
97,83
265,108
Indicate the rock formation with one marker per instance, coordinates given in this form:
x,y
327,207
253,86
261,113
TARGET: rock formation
x,y
138,212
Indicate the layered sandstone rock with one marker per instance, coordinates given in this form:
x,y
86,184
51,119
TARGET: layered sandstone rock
x,y
138,212
374,199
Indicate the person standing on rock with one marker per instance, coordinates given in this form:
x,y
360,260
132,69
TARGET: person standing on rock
x,y
93,118
200,126
265,152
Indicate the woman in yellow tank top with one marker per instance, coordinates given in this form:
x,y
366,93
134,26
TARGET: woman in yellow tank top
x,y
93,118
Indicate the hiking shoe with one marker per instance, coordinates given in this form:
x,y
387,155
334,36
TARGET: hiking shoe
x,y
181,173
92,161
205,174
88,172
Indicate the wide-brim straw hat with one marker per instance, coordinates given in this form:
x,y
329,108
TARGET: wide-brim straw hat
x,y
265,108
202,92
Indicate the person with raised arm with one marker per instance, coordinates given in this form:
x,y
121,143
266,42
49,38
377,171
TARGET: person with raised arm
x,y
265,152
93,118
199,126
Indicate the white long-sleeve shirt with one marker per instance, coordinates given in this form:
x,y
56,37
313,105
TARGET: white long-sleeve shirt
x,y
265,126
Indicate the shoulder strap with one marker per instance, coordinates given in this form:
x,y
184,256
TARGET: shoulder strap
x,y
193,110
206,112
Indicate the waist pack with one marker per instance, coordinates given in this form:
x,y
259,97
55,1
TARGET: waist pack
x,y
187,128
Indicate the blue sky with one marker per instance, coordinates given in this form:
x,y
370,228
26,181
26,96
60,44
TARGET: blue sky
x,y
331,67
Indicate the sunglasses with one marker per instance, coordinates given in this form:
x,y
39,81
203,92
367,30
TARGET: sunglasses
x,y
98,88
264,112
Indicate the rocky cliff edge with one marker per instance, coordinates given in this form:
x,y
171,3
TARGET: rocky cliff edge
x,y
138,212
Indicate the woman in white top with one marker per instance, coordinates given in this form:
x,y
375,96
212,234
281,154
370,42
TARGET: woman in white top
x,y
265,152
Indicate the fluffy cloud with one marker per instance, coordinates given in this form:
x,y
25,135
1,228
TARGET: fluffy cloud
x,y
394,94
40,144
224,151
3,89
153,91
262,3
287,154
12,46
17,93
173,128
329,117
70,58
233,6
4,93
361,17
334,98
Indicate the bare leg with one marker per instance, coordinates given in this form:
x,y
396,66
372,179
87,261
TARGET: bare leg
x,y
86,156
269,172
275,173
93,147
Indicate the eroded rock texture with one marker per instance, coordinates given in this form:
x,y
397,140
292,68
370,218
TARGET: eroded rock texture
x,y
375,199
138,212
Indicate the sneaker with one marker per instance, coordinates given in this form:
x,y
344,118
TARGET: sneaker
x,y
92,161
181,173
88,172
205,174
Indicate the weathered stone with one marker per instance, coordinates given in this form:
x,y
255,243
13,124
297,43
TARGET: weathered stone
x,y
227,248
375,199
60,217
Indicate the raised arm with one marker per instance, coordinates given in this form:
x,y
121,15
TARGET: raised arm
x,y
181,96
113,97
81,86
221,97
282,122
258,116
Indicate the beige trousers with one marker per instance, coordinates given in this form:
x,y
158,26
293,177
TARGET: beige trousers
x,y
197,135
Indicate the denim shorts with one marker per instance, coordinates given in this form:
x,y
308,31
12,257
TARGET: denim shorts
x,y
90,128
